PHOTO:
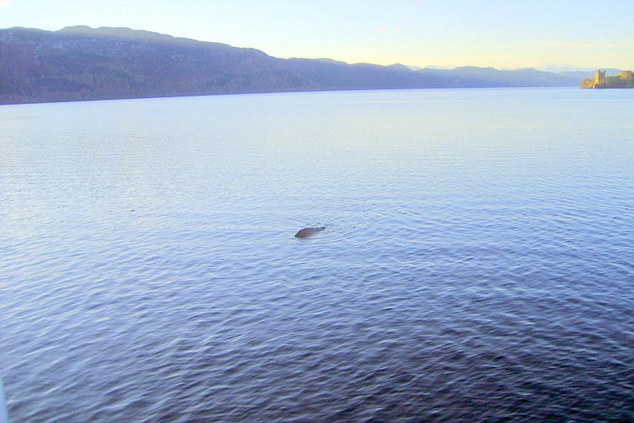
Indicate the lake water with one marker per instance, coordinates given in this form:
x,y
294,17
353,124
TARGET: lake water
x,y
477,262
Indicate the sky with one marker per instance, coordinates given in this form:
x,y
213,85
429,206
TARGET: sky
x,y
506,34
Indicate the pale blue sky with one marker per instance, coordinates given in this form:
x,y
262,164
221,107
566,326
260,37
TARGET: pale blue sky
x,y
449,33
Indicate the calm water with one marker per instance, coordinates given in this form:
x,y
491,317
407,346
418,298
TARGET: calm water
x,y
478,261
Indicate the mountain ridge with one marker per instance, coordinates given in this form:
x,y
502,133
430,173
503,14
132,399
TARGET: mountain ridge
x,y
83,63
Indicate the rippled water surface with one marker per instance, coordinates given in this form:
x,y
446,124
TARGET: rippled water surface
x,y
477,262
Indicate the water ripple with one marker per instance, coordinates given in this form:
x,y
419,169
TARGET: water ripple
x,y
467,272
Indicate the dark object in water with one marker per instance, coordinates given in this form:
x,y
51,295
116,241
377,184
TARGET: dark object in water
x,y
306,232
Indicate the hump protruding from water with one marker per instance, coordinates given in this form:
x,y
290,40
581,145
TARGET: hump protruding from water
x,y
306,232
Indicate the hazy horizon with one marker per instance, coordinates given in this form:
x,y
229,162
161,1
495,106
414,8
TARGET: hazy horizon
x,y
565,35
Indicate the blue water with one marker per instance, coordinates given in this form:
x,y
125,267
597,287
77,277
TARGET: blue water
x,y
477,262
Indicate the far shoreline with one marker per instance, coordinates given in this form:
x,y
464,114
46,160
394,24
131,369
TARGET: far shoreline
x,y
19,103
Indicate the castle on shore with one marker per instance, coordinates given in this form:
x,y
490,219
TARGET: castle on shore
x,y
599,78
624,79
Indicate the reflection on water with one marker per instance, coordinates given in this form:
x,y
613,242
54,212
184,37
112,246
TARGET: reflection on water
x,y
477,262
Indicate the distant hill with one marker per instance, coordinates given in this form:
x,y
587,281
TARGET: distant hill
x,y
471,76
579,75
82,63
